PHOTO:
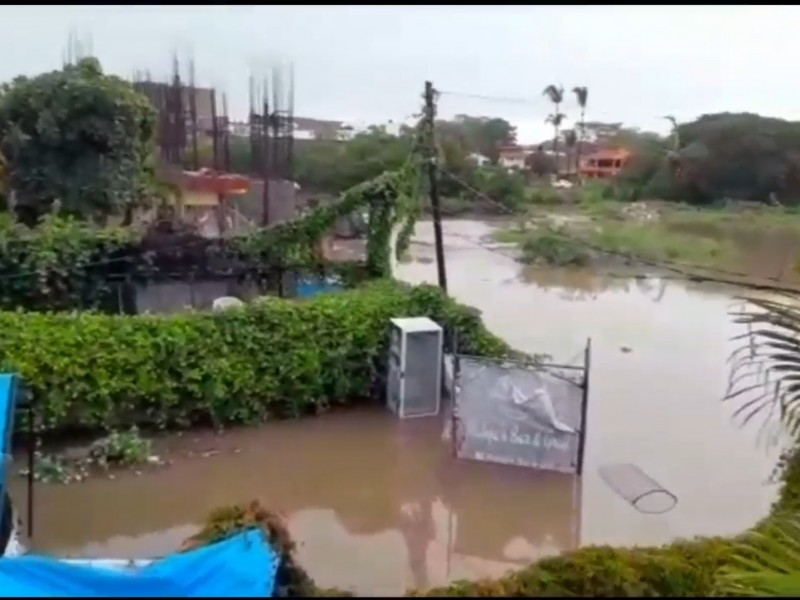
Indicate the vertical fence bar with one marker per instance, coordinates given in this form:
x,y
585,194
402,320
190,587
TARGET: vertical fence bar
x,y
192,299
587,364
454,391
120,306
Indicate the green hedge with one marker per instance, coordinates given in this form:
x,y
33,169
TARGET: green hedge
x,y
280,357
682,569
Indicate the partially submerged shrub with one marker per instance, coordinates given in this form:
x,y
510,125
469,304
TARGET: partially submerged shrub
x,y
121,448
117,449
291,580
549,247
678,570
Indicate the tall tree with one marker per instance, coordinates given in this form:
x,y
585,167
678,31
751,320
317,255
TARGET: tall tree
x,y
571,145
555,120
673,155
482,135
79,137
556,96
582,96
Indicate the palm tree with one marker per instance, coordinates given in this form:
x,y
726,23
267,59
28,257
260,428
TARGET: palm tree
x,y
673,155
555,120
571,142
556,96
582,96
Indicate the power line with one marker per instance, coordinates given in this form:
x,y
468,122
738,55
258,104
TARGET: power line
x,y
507,99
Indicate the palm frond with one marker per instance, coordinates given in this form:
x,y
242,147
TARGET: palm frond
x,y
554,93
766,562
676,141
555,119
570,138
764,374
581,95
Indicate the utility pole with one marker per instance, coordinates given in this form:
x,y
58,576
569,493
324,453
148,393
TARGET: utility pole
x,y
430,147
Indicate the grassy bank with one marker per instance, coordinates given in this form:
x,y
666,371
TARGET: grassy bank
x,y
614,242
603,231
276,358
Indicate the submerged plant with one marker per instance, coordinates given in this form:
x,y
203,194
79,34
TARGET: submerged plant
x,y
290,579
121,448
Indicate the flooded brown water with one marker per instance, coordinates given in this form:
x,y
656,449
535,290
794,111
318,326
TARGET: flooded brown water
x,y
378,506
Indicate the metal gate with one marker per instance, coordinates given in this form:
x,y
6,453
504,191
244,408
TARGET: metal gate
x,y
518,413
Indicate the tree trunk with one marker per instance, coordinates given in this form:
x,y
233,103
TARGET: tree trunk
x,y
555,140
578,147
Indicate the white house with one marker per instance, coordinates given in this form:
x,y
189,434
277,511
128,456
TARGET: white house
x,y
479,159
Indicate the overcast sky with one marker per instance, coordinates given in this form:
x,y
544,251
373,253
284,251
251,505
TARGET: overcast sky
x,y
369,63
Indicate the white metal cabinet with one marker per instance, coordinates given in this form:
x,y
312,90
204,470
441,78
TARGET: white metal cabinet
x,y
414,378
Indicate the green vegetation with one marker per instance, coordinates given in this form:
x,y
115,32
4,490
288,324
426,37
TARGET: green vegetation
x,y
331,167
763,561
278,357
738,156
613,242
117,449
549,247
291,580
70,264
78,138
717,157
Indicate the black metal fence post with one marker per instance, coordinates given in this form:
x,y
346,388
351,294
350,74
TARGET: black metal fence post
x,y
587,362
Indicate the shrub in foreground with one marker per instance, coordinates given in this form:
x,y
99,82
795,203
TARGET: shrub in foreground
x,y
278,357
291,580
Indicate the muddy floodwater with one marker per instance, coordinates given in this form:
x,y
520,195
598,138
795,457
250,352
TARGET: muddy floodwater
x,y
377,506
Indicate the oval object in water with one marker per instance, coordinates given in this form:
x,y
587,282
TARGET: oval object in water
x,y
643,492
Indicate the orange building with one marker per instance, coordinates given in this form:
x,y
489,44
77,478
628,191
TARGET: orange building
x,y
604,163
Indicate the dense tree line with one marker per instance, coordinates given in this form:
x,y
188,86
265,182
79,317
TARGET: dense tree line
x,y
468,149
724,156
83,142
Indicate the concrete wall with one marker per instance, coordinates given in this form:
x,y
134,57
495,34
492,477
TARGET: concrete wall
x,y
176,296
282,201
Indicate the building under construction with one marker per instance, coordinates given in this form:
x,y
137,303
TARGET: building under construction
x,y
194,140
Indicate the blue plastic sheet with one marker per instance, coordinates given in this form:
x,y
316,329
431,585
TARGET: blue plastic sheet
x,y
242,566
8,399
311,286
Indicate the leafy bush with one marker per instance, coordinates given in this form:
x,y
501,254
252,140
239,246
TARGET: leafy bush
x,y
291,579
549,248
78,136
65,264
279,357
545,197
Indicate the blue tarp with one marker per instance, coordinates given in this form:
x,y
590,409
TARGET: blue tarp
x,y
239,567
8,400
311,286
